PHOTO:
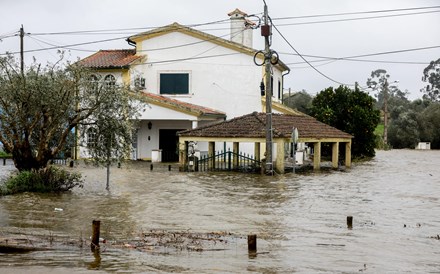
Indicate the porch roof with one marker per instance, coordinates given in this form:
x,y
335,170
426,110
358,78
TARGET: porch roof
x,y
111,59
182,106
253,126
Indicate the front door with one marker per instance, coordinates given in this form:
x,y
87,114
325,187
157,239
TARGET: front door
x,y
168,143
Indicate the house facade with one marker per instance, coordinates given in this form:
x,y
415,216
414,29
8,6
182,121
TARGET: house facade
x,y
188,79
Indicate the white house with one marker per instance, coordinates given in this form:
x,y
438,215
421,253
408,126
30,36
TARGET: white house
x,y
189,78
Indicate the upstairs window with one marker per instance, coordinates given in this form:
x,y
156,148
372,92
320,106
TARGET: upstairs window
x,y
109,81
174,83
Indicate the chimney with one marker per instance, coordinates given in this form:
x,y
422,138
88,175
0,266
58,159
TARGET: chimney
x,y
241,31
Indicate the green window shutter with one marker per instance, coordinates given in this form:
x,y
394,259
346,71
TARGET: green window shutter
x,y
174,83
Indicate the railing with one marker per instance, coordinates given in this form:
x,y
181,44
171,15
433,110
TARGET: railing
x,y
228,161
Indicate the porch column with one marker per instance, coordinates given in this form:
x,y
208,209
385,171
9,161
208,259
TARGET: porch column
x,y
335,154
235,150
183,155
348,154
317,155
257,151
279,162
211,153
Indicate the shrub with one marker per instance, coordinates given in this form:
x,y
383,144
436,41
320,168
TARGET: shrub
x,y
49,179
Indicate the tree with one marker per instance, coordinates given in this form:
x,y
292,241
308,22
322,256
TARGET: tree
x,y
404,130
429,121
379,82
431,74
351,111
41,107
301,101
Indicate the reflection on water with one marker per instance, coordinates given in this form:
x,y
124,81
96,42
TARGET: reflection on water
x,y
300,220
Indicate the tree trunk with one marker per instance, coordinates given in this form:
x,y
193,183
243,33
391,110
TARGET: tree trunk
x,y
25,160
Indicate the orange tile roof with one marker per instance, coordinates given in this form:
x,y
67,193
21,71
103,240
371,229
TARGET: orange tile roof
x,y
183,106
105,59
254,126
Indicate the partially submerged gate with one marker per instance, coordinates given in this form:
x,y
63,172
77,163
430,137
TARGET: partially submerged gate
x,y
228,161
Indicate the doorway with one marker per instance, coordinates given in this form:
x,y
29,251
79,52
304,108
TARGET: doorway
x,y
168,143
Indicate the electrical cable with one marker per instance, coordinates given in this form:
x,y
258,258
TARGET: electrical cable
x,y
354,13
355,19
302,57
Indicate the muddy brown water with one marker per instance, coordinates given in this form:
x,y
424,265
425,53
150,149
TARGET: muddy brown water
x,y
300,219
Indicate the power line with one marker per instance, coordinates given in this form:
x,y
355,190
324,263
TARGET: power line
x,y
305,60
353,58
356,19
354,13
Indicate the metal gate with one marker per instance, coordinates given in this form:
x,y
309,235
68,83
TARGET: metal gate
x,y
229,161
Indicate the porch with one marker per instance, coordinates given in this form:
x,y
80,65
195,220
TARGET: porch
x,y
251,129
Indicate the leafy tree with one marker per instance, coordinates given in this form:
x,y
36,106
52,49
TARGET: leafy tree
x,y
302,101
379,82
351,111
431,74
40,108
429,121
404,130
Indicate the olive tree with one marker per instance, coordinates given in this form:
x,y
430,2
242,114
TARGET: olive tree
x,y
43,105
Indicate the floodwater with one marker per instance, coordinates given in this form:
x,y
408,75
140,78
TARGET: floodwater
x,y
299,219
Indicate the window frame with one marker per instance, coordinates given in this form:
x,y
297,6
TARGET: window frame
x,y
109,83
172,93
92,137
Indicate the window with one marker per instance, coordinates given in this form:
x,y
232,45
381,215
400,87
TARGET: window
x,y
174,83
109,81
279,89
92,137
94,81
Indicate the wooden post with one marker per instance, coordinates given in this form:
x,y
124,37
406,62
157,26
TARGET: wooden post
x,y
95,235
350,222
151,167
169,167
4,161
252,243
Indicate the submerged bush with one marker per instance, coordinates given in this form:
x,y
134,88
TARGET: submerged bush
x,y
49,179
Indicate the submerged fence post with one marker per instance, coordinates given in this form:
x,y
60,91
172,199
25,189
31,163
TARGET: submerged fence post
x,y
252,243
350,222
95,235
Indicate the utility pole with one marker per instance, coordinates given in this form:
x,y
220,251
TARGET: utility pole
x,y
266,31
385,112
21,50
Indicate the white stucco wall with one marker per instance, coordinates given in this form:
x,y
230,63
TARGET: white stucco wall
x,y
229,83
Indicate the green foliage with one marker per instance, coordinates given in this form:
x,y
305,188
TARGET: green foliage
x,y
404,130
302,101
351,111
4,154
41,107
49,179
429,120
431,75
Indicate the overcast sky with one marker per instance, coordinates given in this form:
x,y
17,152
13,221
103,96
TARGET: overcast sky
x,y
43,20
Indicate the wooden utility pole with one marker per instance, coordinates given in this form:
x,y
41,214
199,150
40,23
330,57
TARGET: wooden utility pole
x,y
385,112
266,31
22,50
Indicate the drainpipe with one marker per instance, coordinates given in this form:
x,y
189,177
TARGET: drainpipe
x,y
282,88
